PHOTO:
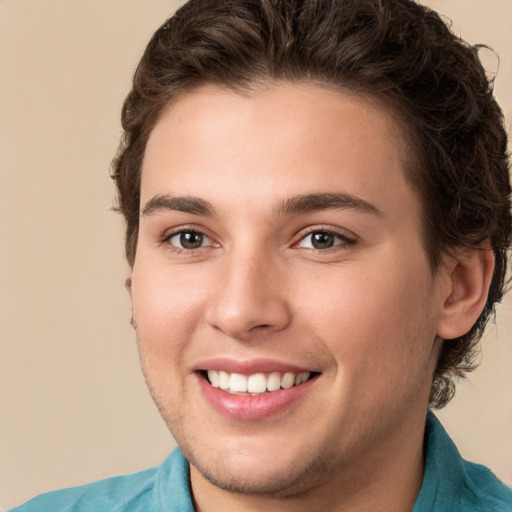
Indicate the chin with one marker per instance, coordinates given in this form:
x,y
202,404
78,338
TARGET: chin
x,y
256,471
254,478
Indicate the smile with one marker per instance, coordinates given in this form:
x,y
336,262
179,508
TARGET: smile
x,y
256,383
254,396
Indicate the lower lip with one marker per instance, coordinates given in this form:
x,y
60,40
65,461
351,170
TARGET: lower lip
x,y
246,407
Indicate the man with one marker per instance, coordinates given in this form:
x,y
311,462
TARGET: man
x,y
317,203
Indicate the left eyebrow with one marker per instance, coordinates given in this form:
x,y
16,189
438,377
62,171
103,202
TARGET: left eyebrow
x,y
309,203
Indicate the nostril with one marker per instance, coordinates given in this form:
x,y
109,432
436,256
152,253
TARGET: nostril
x,y
262,326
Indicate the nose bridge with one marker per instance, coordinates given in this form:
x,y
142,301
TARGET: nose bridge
x,y
250,296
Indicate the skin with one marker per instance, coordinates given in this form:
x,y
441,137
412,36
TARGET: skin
x,y
365,313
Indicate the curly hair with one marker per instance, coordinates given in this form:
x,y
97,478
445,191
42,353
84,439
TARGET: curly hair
x,y
396,51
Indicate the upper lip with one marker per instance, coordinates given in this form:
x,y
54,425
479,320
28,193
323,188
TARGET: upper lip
x,y
250,366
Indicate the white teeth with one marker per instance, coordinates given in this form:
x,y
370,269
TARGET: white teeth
x,y
213,377
238,383
304,376
256,383
223,380
288,380
274,382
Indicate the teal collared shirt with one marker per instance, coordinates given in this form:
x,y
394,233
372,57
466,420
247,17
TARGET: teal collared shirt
x,y
450,484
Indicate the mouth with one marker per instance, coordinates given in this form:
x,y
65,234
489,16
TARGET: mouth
x,y
253,390
255,384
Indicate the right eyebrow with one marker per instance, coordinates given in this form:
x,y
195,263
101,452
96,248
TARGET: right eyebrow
x,y
325,201
187,204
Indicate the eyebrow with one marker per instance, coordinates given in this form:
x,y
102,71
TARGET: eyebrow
x,y
185,204
309,203
300,204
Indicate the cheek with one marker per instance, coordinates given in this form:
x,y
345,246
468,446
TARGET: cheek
x,y
374,322
166,309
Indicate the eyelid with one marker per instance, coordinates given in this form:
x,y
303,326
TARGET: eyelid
x,y
190,228
342,234
347,237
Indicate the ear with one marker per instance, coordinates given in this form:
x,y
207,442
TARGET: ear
x,y
469,273
128,284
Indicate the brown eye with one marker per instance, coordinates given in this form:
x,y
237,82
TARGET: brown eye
x,y
320,240
188,240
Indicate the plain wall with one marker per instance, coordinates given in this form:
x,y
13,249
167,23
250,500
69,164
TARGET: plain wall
x,y
73,404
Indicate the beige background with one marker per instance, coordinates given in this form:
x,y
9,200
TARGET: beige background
x,y
73,405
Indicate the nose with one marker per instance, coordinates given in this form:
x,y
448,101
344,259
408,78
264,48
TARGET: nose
x,y
250,299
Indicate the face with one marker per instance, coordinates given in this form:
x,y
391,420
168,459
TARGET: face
x,y
285,310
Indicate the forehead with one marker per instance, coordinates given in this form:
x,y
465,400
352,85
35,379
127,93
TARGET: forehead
x,y
286,138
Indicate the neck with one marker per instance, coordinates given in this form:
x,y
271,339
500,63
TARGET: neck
x,y
386,477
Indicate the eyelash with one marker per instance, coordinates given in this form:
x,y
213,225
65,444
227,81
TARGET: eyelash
x,y
343,241
182,231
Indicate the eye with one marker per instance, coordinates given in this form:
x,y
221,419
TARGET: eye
x,y
189,240
323,240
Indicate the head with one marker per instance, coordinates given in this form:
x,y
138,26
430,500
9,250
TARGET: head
x,y
395,52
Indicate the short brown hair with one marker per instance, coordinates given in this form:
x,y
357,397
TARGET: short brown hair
x,y
394,50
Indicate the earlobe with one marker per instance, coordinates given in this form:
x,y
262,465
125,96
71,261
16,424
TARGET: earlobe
x,y
470,273
128,286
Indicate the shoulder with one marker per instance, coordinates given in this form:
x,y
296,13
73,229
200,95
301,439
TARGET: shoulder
x,y
451,483
137,492
109,494
485,489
